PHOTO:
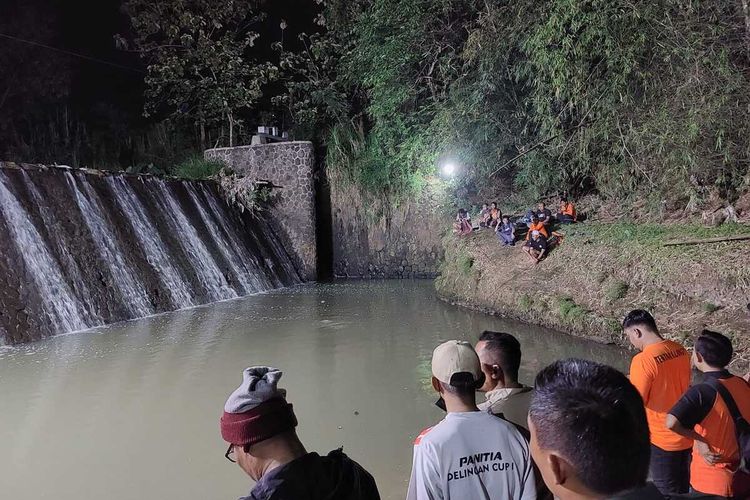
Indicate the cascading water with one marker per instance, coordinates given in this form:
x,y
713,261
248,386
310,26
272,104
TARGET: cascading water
x,y
60,304
209,271
133,292
79,250
154,246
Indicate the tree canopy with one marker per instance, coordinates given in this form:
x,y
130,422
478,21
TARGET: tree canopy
x,y
617,98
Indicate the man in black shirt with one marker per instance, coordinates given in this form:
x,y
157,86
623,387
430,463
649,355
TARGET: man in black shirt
x,y
543,214
703,415
536,246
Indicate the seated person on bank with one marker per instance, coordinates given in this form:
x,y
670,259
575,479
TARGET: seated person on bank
x,y
462,225
567,214
536,247
536,225
543,214
505,232
484,215
495,215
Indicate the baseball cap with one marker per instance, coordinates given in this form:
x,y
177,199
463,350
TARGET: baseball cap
x,y
456,363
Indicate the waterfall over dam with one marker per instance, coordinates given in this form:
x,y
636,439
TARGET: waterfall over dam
x,y
79,250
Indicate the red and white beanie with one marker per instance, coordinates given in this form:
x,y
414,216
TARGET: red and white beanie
x,y
257,409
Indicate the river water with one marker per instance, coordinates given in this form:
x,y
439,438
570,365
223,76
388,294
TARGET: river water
x,y
132,410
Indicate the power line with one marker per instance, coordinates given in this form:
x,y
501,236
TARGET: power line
x,y
74,54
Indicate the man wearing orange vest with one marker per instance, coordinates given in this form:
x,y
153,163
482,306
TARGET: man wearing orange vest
x,y
661,373
703,415
567,214
536,225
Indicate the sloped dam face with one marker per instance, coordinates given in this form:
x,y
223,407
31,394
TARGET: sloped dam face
x,y
79,250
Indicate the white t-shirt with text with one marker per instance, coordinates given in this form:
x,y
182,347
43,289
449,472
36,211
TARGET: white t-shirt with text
x,y
471,456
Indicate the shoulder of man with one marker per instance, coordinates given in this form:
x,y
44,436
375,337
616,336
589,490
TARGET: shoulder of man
x,y
695,404
640,360
422,435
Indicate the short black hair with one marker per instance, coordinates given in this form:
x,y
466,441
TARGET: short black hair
x,y
506,351
594,417
639,317
494,203
464,391
715,348
563,198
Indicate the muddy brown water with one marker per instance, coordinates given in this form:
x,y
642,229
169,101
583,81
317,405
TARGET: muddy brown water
x,y
132,410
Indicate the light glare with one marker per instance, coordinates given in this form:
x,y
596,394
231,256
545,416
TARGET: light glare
x,y
449,169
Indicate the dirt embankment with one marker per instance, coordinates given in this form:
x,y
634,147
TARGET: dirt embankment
x,y
602,271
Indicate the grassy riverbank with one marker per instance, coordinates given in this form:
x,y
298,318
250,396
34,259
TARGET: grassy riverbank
x,y
601,271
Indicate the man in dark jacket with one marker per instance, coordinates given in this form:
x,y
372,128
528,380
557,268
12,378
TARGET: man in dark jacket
x,y
259,425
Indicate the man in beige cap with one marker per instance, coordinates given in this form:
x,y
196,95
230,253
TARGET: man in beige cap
x,y
470,454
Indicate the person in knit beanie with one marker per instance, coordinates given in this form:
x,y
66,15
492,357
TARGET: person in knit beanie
x,y
259,425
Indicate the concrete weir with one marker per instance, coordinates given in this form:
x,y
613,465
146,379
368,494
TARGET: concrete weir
x,y
80,249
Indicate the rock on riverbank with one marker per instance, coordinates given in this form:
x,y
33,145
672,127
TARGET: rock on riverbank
x,y
601,271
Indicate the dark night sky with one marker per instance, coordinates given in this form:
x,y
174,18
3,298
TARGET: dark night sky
x,y
87,27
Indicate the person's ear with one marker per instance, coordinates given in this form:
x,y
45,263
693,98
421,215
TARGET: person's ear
x,y
498,374
436,385
698,357
558,466
638,332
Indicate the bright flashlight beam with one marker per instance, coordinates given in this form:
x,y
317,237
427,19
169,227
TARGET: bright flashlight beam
x,y
449,169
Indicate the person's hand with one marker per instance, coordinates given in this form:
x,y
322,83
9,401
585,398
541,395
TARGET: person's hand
x,y
709,456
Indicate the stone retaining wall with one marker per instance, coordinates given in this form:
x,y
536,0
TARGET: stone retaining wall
x,y
374,240
290,165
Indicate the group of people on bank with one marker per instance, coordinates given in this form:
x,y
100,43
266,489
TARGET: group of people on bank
x,y
584,431
538,223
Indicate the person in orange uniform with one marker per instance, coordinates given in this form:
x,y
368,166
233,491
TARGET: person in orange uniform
x,y
536,225
661,373
702,414
567,214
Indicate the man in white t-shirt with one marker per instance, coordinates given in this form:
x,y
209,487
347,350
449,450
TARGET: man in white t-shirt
x,y
470,454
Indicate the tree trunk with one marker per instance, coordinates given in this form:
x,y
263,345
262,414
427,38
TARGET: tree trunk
x,y
231,128
203,133
746,13
707,240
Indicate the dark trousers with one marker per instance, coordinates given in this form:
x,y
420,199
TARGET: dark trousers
x,y
670,470
507,239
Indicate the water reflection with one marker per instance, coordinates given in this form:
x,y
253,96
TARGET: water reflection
x,y
132,410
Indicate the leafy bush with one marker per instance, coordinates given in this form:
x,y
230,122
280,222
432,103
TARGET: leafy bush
x,y
196,167
615,291
465,263
710,308
525,303
570,311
